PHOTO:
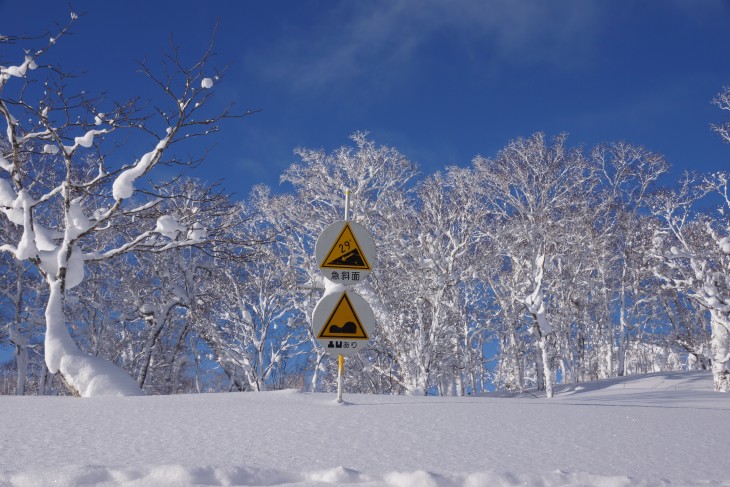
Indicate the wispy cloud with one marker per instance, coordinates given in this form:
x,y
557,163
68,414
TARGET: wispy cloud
x,y
374,38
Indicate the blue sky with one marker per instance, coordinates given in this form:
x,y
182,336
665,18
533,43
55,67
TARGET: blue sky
x,y
442,81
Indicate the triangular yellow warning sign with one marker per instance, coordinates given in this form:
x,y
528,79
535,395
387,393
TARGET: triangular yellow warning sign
x,y
343,322
345,252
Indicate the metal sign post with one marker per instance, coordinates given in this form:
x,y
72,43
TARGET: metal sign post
x,y
340,357
340,374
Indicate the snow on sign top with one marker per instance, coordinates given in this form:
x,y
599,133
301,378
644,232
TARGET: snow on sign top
x,y
344,252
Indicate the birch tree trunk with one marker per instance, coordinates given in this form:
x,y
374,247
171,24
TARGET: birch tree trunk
x,y
720,346
546,367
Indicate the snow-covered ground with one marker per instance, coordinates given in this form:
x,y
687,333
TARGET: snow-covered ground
x,y
655,430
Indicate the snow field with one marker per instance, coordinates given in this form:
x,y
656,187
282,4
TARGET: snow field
x,y
659,430
177,475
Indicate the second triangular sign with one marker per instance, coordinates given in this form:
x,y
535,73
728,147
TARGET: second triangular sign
x,y
343,322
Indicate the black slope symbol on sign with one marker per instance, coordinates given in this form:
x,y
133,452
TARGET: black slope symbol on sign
x,y
352,259
343,322
345,252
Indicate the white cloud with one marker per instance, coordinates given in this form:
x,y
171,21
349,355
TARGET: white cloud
x,y
375,38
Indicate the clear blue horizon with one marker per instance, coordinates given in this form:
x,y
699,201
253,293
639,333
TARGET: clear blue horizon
x,y
440,81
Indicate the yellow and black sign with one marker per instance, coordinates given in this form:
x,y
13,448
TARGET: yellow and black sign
x,y
343,322
346,253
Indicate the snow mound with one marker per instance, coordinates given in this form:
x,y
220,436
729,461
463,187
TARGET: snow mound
x,y
95,376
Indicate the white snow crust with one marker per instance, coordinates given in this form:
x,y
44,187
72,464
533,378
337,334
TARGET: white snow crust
x,y
86,140
7,194
665,429
5,165
78,223
18,71
75,268
123,186
8,198
206,83
27,246
50,149
331,287
197,232
168,226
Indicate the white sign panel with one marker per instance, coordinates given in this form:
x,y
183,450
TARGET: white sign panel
x,y
345,252
343,323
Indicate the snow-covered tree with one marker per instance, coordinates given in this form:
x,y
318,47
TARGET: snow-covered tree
x,y
255,328
429,264
691,254
690,330
58,185
539,192
20,320
628,174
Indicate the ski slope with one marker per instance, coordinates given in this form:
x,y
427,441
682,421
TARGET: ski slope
x,y
657,430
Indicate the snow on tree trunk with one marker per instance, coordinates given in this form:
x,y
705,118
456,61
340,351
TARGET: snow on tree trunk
x,y
720,345
318,367
536,306
157,318
421,385
21,361
547,370
621,353
539,372
58,342
609,361
459,384
87,375
42,382
21,347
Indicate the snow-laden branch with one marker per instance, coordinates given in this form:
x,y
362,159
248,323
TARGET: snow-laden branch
x,y
86,141
123,186
722,101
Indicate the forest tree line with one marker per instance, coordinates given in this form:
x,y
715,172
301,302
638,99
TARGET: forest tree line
x,y
542,264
